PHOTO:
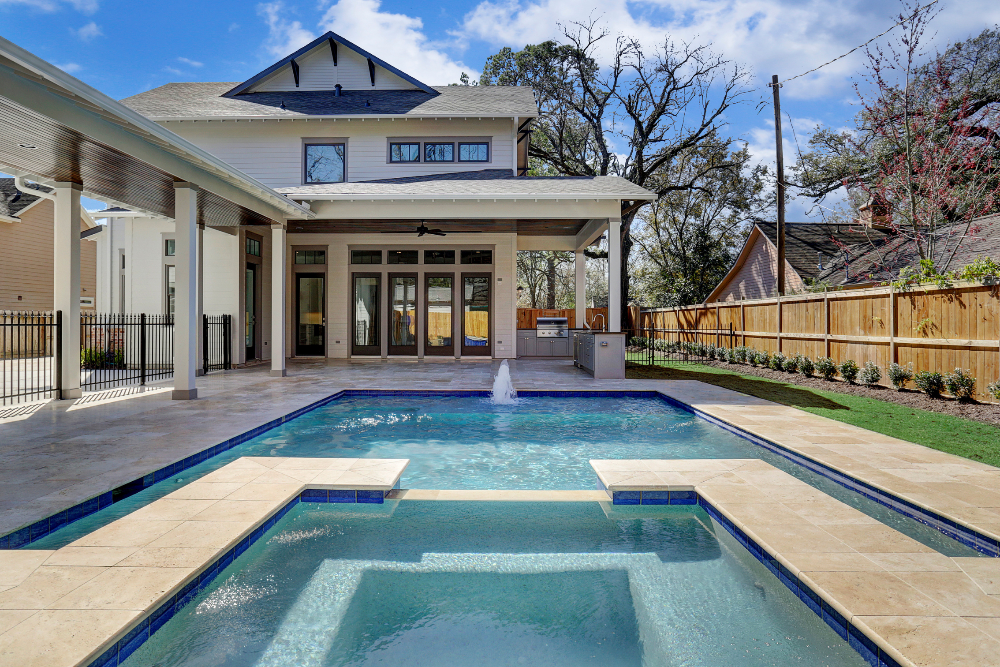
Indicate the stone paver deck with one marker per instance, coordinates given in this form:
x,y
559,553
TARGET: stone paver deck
x,y
918,606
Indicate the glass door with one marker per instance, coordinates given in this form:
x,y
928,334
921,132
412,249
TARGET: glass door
x,y
476,314
251,308
440,300
365,335
403,314
310,315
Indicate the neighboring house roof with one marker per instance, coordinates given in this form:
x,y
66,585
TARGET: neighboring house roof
x,y
485,183
192,101
810,246
10,204
881,260
333,41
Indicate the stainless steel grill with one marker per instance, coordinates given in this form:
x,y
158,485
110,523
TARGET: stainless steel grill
x,y
552,327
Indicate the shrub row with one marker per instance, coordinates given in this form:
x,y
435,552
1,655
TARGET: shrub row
x,y
959,383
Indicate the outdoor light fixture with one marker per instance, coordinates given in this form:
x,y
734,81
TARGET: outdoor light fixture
x,y
29,147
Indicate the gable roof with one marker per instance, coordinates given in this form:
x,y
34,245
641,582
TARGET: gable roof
x,y
328,38
881,260
485,183
810,246
203,101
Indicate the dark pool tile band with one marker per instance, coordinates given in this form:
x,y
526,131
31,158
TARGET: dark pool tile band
x,y
40,529
847,631
954,530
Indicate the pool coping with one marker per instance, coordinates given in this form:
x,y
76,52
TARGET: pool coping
x,y
247,497
957,529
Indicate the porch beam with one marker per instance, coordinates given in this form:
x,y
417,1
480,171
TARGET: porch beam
x,y
278,252
185,300
614,275
66,283
590,233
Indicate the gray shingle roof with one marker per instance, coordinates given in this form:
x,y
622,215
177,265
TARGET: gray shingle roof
x,y
485,183
8,193
205,100
880,261
808,244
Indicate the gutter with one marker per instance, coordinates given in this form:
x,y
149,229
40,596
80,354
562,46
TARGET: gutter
x,y
470,197
22,186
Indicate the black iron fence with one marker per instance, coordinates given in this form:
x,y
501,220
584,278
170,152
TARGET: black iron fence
x,y
652,346
217,342
125,348
29,344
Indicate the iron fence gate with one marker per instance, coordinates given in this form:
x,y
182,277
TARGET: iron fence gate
x,y
651,346
125,348
29,361
217,342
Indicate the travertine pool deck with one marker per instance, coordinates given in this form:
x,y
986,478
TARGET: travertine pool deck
x,y
918,606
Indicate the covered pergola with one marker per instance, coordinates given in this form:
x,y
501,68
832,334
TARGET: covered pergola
x,y
57,131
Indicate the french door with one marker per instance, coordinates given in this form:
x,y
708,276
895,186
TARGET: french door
x,y
251,288
310,315
403,313
476,308
365,309
439,297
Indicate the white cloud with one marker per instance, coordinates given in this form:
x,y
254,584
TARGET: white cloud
x,y
82,6
398,39
284,36
70,68
173,70
233,27
89,32
188,61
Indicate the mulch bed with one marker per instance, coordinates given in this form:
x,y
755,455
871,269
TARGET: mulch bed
x,y
987,413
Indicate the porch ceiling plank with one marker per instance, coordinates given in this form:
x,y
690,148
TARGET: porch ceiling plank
x,y
522,227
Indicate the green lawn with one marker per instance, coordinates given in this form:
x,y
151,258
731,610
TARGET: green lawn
x,y
962,437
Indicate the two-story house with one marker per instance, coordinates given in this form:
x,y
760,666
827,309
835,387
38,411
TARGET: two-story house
x,y
421,204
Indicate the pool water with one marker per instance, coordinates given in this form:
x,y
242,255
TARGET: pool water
x,y
495,584
469,443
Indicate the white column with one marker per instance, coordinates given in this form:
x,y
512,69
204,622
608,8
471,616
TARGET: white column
x,y
614,274
66,293
186,301
581,288
278,252
200,301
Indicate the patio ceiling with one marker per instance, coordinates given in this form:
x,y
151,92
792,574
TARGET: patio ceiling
x,y
522,227
54,128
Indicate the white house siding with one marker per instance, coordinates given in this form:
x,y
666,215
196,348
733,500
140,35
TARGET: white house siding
x,y
317,72
272,151
338,270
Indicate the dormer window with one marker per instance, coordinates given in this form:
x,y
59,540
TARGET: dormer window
x,y
404,152
325,163
439,152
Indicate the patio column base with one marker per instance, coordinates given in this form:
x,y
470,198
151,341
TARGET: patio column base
x,y
183,394
279,373
199,372
69,394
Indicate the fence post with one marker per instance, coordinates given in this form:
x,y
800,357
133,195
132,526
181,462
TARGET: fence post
x,y
778,333
826,323
892,325
227,350
57,381
204,343
142,348
743,322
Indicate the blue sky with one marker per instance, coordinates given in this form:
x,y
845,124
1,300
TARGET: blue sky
x,y
123,48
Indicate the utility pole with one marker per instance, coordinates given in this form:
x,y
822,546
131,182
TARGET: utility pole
x,y
781,186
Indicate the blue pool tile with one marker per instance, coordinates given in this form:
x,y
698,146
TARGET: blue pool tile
x,y
626,498
375,497
38,530
133,640
655,497
343,496
186,594
19,538
105,500
107,659
314,496
58,520
683,498
864,646
161,616
256,534
833,618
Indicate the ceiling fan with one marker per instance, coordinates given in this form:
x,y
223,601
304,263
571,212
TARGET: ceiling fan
x,y
422,229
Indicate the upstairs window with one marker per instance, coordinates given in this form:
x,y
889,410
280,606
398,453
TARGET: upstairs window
x,y
438,152
404,152
325,163
478,151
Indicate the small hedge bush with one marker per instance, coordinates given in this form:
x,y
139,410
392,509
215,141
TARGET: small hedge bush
x,y
807,367
826,367
929,382
777,362
960,384
849,371
900,375
993,389
870,374
792,364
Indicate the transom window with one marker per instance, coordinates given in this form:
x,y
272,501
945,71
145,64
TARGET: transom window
x,y
404,152
325,163
474,152
401,257
310,257
366,257
438,152
253,247
477,257
439,256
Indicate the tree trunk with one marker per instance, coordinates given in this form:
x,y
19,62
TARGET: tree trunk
x,y
550,279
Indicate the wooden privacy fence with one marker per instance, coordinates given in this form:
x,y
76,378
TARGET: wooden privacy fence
x,y
933,328
528,317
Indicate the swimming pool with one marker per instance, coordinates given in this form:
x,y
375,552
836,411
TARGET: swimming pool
x,y
446,583
466,442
